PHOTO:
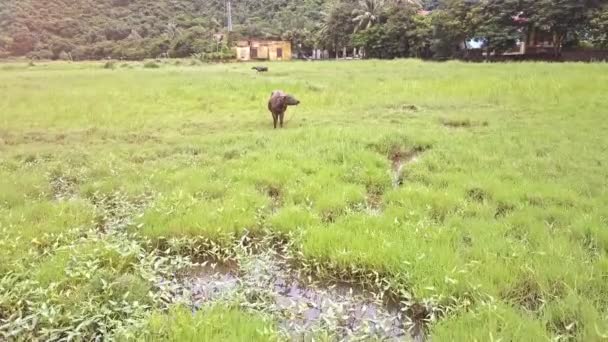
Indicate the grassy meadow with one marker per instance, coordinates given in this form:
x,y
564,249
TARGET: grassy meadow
x,y
113,178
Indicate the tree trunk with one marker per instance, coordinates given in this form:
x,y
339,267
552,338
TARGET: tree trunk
x,y
344,52
487,54
558,40
336,50
555,44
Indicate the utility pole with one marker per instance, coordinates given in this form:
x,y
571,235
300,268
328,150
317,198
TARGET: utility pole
x,y
229,14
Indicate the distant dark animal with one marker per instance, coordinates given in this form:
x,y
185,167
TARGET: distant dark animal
x,y
277,105
260,68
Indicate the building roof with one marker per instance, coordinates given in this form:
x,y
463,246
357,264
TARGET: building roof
x,y
247,42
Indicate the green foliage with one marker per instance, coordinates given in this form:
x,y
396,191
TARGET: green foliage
x,y
560,17
598,28
338,25
453,23
400,32
210,324
367,13
496,25
138,29
489,322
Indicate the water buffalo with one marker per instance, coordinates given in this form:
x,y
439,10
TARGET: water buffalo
x,y
277,105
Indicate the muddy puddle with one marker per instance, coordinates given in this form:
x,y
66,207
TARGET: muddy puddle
x,y
265,282
399,160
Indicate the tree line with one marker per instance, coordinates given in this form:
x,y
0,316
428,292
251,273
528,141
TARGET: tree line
x,y
137,29
446,28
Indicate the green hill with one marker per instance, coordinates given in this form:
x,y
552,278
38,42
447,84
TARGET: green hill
x,y
134,29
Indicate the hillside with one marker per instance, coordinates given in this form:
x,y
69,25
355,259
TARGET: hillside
x,y
134,29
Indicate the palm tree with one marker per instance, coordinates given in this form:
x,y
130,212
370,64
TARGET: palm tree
x,y
367,13
172,30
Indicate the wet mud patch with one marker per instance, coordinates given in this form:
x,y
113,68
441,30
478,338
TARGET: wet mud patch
x,y
403,108
462,123
232,154
373,201
265,283
274,193
63,187
267,280
211,280
394,113
400,158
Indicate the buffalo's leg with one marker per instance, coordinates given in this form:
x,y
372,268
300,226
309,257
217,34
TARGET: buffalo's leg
x,y
274,119
281,118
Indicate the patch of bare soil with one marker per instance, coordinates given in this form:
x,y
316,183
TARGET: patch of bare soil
x,y
409,108
373,202
275,194
400,158
63,187
14,139
139,138
49,137
462,123
403,108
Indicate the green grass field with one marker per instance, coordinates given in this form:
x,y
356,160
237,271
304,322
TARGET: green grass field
x,y
112,179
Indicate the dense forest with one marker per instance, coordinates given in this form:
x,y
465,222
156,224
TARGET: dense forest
x,y
137,29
